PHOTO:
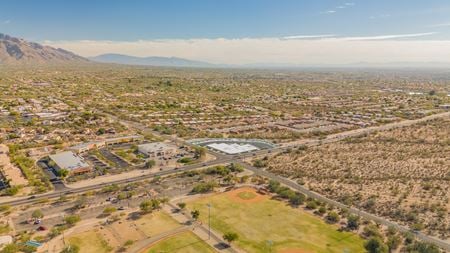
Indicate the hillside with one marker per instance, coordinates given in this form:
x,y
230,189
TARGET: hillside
x,y
15,51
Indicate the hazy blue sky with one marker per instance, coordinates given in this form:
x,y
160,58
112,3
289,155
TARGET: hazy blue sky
x,y
74,24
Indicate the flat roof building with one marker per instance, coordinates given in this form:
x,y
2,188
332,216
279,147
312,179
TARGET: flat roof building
x,y
87,146
232,148
157,149
70,161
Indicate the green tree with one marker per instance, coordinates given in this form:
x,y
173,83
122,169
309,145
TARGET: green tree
x,y
149,164
63,173
147,206
37,214
195,214
353,222
332,217
230,237
27,249
423,247
181,205
204,187
10,248
72,219
71,248
128,243
259,163
394,242
375,245
109,210
296,199
371,231
199,152
311,204
322,210
5,208
11,191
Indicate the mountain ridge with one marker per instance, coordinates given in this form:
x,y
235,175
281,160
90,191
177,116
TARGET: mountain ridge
x,y
150,61
17,51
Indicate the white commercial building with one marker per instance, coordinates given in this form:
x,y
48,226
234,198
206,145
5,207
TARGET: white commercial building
x,y
70,161
157,149
232,148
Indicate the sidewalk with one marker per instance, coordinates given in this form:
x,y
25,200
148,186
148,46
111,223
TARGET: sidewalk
x,y
201,230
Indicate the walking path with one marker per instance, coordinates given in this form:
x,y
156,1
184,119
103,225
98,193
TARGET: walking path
x,y
197,228
201,230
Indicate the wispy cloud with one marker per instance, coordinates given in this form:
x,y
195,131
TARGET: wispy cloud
x,y
5,22
390,36
294,37
340,7
349,38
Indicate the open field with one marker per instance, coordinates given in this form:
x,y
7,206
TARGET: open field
x,y
186,242
402,174
156,223
258,219
90,241
109,237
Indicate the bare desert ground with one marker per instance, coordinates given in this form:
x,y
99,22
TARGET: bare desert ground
x,y
401,174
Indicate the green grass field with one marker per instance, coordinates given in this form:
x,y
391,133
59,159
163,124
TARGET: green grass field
x,y
288,229
186,242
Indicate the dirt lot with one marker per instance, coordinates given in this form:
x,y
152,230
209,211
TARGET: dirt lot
x,y
402,174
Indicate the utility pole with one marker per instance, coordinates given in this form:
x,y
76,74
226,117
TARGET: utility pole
x,y
64,240
270,243
209,221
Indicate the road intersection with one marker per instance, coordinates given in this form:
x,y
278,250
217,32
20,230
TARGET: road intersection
x,y
239,159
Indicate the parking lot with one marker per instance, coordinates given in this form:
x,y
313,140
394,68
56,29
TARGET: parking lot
x,y
119,162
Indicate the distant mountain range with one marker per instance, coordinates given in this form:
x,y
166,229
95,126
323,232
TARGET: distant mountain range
x,y
151,61
15,51
181,62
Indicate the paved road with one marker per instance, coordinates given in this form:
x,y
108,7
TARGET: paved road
x,y
237,159
67,191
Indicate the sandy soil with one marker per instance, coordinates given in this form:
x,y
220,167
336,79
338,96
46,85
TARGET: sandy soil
x,y
234,195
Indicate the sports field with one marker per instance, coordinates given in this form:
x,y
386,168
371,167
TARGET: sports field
x,y
266,225
186,242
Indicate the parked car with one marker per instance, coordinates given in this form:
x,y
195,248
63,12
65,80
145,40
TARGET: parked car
x,y
41,228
